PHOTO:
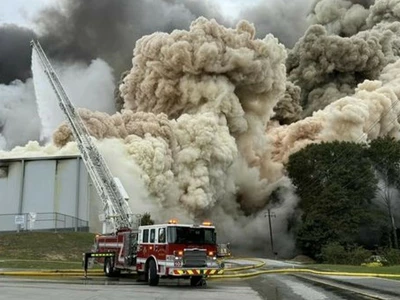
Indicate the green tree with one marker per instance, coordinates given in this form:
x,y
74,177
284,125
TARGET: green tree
x,y
146,219
385,156
336,184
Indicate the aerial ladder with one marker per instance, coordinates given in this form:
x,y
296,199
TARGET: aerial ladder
x,y
117,212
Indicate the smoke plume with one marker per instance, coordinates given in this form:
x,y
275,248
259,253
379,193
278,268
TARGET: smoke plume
x,y
76,32
350,42
206,109
87,86
15,53
17,103
372,112
285,19
84,30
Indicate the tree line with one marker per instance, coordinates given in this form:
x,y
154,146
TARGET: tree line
x,y
349,196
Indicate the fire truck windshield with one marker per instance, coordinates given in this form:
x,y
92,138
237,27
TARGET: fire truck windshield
x,y
190,235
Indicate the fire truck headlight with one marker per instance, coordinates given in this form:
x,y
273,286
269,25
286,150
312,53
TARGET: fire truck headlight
x,y
178,253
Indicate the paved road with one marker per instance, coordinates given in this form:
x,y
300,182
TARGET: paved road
x,y
268,286
282,287
39,289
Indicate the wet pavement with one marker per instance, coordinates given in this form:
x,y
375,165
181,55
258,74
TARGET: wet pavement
x,y
104,289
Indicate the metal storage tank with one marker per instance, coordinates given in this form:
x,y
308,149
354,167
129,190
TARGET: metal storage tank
x,y
43,193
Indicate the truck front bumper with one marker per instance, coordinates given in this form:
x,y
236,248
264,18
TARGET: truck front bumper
x,y
194,272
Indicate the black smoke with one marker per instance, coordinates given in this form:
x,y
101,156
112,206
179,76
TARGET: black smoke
x,y
15,53
89,29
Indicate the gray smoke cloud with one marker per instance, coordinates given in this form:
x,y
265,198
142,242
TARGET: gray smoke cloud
x,y
349,42
343,17
79,31
285,19
17,103
89,29
15,53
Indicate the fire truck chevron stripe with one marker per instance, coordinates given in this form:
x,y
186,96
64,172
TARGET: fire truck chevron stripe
x,y
198,272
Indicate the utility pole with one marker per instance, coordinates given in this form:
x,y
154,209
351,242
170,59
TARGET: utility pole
x,y
270,214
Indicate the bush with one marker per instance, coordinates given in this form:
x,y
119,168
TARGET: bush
x,y
358,255
334,253
392,256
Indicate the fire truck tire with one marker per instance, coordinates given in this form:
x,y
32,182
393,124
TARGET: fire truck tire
x,y
153,278
195,280
109,268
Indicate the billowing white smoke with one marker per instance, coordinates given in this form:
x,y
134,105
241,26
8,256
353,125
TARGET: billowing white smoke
x,y
218,87
87,86
34,149
18,118
216,115
373,111
348,44
339,17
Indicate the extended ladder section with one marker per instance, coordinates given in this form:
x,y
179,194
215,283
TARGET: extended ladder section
x,y
117,213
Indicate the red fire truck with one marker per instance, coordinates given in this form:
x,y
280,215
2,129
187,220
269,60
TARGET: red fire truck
x,y
169,250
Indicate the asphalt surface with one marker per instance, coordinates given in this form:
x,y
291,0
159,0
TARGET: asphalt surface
x,y
313,287
264,286
39,289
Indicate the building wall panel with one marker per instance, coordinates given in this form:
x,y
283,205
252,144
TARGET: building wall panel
x,y
66,186
10,193
10,189
47,185
38,190
83,202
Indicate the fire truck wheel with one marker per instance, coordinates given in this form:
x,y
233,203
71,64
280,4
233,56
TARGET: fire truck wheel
x,y
196,280
153,278
109,268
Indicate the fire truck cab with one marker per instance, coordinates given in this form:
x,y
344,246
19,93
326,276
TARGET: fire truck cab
x,y
168,250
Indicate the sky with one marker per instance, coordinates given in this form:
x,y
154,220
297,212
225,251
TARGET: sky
x,y
22,11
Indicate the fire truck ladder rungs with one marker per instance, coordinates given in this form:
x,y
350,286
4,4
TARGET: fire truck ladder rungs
x,y
116,209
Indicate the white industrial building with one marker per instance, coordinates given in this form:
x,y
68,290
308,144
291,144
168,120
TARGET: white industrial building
x,y
47,193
